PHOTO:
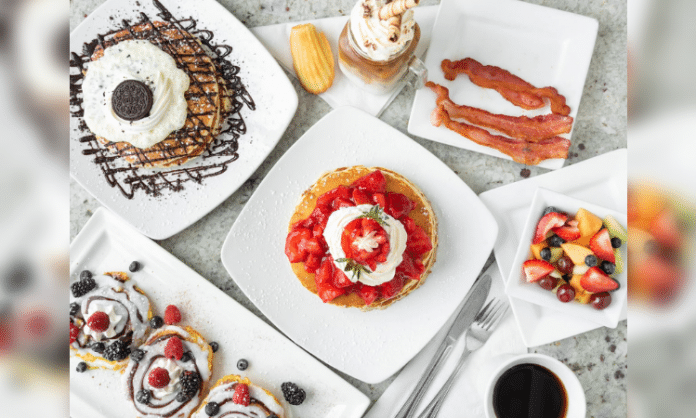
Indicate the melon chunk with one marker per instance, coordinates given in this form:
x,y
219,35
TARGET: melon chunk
x,y
577,253
581,295
588,223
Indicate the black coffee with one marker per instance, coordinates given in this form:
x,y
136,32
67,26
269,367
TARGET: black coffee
x,y
529,391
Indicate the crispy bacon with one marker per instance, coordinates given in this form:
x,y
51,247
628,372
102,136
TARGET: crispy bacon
x,y
522,127
530,153
512,88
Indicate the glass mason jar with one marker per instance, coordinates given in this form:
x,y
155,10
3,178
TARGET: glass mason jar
x,y
374,76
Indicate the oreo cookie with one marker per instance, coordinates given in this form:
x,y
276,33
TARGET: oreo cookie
x,y
132,100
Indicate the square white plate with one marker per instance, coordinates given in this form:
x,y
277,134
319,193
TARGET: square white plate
x,y
517,286
544,46
370,346
600,180
162,216
107,243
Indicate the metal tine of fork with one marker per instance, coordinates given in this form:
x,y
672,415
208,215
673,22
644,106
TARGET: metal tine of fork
x,y
483,310
497,316
494,307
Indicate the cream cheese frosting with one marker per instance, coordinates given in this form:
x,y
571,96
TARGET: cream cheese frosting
x,y
372,34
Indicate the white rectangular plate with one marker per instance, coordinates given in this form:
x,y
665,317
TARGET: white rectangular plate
x,y
370,346
276,101
600,180
544,46
107,243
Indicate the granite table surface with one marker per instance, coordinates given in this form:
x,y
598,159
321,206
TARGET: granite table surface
x,y
599,357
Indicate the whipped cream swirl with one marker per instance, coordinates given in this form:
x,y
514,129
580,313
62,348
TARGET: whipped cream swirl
x,y
117,320
145,62
396,233
372,34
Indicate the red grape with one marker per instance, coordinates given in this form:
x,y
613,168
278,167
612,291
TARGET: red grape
x,y
600,301
565,293
565,265
547,283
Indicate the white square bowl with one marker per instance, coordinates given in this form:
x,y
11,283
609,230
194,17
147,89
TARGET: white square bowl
x,y
517,286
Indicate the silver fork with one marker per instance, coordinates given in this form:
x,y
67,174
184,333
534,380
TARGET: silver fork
x,y
482,328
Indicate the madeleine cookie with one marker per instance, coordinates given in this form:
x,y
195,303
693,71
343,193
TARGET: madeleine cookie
x,y
362,237
236,396
108,315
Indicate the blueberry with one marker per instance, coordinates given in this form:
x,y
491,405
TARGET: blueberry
x,y
212,408
591,260
81,367
186,357
545,254
143,396
242,364
98,347
156,322
134,266
214,346
85,274
608,267
137,355
550,209
74,308
616,242
555,241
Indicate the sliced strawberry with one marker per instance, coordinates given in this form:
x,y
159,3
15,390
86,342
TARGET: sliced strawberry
x,y
310,245
666,229
318,231
398,205
547,223
410,267
312,263
360,197
380,199
600,244
372,183
409,224
596,281
341,202
391,288
292,242
418,242
340,279
325,272
328,292
368,294
661,279
569,232
536,270
328,197
320,215
304,223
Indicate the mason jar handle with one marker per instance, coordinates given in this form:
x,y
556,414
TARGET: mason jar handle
x,y
419,73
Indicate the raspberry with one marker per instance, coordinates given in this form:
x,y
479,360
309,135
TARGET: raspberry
x,y
241,394
172,315
82,287
174,349
158,378
99,321
293,393
74,332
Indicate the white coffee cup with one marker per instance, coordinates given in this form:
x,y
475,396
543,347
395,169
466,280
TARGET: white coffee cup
x,y
576,395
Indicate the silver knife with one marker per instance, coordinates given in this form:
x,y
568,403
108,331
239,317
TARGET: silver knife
x,y
465,317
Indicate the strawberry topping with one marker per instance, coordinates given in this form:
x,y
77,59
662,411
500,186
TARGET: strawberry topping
x,y
371,183
171,315
241,394
74,332
368,294
292,244
364,240
392,287
398,205
158,378
596,281
547,223
98,321
536,270
600,244
174,349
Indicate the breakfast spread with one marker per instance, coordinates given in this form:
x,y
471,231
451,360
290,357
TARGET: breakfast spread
x,y
577,257
362,237
312,58
109,314
236,396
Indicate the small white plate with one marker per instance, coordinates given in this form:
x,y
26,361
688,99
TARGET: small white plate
x,y
544,46
600,180
107,243
517,286
162,216
370,346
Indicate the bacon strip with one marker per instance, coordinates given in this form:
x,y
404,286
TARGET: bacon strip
x,y
512,88
529,129
530,153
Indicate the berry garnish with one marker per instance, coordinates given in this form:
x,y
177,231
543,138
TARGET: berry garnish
x,y
545,254
137,355
243,364
548,283
158,378
535,270
85,274
98,347
156,322
549,209
241,394
565,265
81,367
616,242
190,383
565,293
143,396
591,260
214,346
293,393
116,351
172,315
546,224
74,332
82,287
212,408
74,309
600,301
98,321
555,241
608,267
134,266
174,349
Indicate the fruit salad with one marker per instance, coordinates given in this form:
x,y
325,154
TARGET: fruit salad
x,y
577,257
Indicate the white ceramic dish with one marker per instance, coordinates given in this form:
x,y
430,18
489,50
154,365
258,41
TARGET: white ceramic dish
x,y
274,96
517,286
370,346
107,243
600,180
544,46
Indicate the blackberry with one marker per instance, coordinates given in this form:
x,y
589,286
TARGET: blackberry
x,y
156,322
243,364
82,287
549,210
81,367
616,242
212,408
214,346
117,351
292,393
591,260
186,356
190,383
137,355
555,241
143,396
134,266
85,274
98,347
74,309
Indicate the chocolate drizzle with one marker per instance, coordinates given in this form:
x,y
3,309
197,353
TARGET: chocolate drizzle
x,y
220,152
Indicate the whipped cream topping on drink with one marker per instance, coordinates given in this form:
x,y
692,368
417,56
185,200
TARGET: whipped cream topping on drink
x,y
142,61
372,33
396,232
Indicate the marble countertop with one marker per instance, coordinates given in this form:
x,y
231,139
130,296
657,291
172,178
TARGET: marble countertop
x,y
599,357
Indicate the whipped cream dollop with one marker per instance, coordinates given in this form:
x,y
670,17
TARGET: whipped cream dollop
x,y
145,62
174,373
372,34
396,233
117,319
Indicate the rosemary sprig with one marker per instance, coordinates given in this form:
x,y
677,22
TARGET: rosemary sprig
x,y
375,213
353,267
